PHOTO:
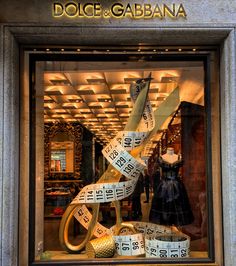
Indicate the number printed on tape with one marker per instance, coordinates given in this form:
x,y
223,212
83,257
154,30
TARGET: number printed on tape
x,y
153,252
184,252
113,154
162,253
120,162
120,194
129,245
173,253
99,195
109,194
128,168
127,142
90,196
125,248
82,196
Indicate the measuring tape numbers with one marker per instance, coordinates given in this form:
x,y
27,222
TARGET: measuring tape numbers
x,y
167,246
150,239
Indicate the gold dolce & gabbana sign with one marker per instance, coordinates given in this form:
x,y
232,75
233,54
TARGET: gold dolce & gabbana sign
x,y
72,9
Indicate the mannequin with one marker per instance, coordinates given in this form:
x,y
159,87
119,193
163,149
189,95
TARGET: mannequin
x,y
170,156
170,204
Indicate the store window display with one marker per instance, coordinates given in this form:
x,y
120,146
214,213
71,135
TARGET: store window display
x,y
134,203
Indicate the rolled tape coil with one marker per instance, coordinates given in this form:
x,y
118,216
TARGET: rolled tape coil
x,y
167,246
144,242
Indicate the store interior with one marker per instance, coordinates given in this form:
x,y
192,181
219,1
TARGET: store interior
x,y
81,106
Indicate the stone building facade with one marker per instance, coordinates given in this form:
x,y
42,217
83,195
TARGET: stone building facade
x,y
32,24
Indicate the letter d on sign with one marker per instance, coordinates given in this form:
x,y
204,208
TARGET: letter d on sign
x,y
57,10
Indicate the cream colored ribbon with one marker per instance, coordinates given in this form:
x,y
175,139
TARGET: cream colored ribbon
x,y
117,153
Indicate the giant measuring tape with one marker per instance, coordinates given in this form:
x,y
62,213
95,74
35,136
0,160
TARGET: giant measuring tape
x,y
119,154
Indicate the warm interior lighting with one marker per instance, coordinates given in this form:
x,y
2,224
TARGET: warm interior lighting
x,y
99,99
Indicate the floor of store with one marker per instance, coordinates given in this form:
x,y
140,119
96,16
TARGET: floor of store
x,y
77,233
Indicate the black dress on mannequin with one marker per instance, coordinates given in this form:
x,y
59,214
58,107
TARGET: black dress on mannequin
x,y
170,203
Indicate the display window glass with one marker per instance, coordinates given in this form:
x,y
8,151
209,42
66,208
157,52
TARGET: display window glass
x,y
122,159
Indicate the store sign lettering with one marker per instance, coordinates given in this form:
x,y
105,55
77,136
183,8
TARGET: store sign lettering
x,y
118,10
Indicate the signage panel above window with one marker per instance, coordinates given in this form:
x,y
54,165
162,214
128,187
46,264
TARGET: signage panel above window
x,y
118,10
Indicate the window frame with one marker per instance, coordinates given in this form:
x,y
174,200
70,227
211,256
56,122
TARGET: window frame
x,y
205,58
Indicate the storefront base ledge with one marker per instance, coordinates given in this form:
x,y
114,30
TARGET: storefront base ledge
x,y
62,257
127,263
15,190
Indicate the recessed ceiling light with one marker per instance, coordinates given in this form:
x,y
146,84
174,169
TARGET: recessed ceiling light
x,y
194,49
78,50
96,81
101,115
169,79
61,82
130,80
179,49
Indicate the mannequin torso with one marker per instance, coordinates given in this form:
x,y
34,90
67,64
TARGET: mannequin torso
x,y
170,156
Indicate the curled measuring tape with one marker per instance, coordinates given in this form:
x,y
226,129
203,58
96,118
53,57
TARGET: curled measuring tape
x,y
122,153
167,246
151,239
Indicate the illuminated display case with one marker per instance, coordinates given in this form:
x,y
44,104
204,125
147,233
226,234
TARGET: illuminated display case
x,y
136,112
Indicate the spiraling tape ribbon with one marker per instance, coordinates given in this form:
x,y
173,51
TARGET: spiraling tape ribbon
x,y
117,153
